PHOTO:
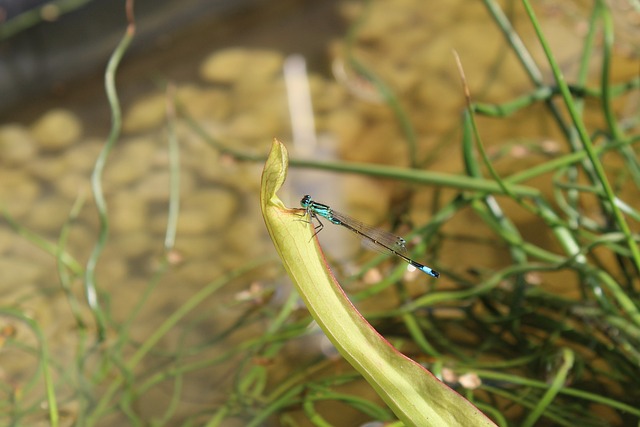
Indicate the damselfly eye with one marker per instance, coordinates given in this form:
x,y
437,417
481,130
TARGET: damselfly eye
x,y
305,201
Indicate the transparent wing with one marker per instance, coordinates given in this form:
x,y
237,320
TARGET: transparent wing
x,y
373,238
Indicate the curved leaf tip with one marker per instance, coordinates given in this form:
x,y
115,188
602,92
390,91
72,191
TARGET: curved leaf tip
x,y
274,175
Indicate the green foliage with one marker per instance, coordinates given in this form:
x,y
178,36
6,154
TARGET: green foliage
x,y
538,356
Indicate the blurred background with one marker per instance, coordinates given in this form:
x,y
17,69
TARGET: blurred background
x,y
372,82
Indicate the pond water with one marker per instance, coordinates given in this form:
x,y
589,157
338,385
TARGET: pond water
x,y
227,75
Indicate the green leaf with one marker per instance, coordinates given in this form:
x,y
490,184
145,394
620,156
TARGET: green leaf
x,y
414,394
